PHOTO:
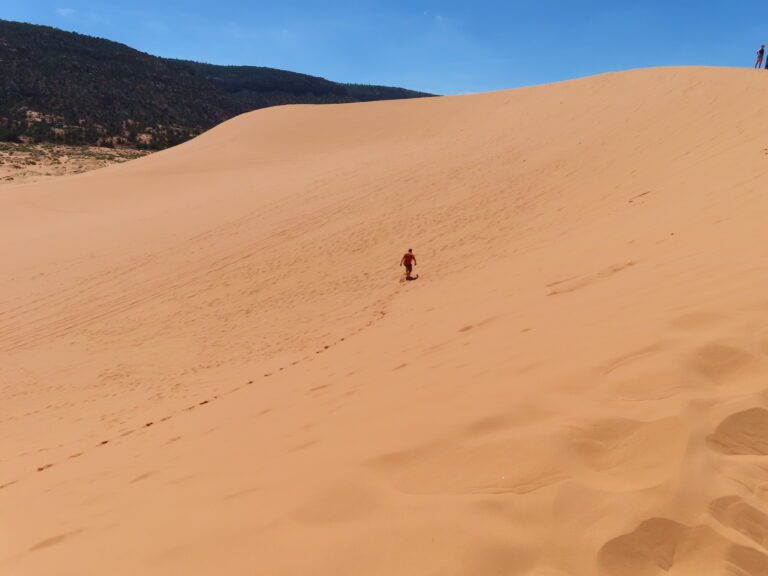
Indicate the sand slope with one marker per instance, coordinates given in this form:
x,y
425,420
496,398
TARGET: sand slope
x,y
208,364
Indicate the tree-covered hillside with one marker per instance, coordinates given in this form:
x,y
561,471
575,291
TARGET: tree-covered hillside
x,y
63,87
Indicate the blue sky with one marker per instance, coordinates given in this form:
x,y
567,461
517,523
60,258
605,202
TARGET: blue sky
x,y
445,47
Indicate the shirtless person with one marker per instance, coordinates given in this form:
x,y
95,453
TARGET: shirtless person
x,y
409,260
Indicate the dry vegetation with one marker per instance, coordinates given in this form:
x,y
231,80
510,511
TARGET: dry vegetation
x,y
33,162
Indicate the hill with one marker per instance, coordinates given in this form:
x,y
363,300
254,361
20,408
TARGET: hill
x,y
67,88
209,364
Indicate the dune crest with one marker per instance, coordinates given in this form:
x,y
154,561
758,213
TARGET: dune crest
x,y
208,364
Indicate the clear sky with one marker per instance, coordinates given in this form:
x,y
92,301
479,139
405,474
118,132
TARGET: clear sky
x,y
445,47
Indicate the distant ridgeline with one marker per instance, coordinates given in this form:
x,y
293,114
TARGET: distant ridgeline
x,y
67,88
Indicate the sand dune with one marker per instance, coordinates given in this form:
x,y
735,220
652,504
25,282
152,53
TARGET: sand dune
x,y
209,363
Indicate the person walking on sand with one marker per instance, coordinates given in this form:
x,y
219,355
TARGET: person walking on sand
x,y
408,260
760,54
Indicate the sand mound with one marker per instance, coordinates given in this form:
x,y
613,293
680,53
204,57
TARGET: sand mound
x,y
209,364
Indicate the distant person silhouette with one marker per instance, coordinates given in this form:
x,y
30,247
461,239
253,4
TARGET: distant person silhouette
x,y
760,55
409,260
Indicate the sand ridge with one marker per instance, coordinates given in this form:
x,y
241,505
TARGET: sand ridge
x,y
213,367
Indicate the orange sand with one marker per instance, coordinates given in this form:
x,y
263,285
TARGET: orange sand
x,y
208,364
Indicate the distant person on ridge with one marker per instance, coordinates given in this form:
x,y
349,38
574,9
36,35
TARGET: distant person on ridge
x,y
408,261
760,54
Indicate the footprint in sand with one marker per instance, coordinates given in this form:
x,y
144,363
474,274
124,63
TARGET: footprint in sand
x,y
661,545
742,433
502,465
576,283
628,453
646,550
722,363
141,477
696,321
733,512
53,540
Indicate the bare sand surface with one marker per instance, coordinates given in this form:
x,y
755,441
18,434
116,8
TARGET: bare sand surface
x,y
209,363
